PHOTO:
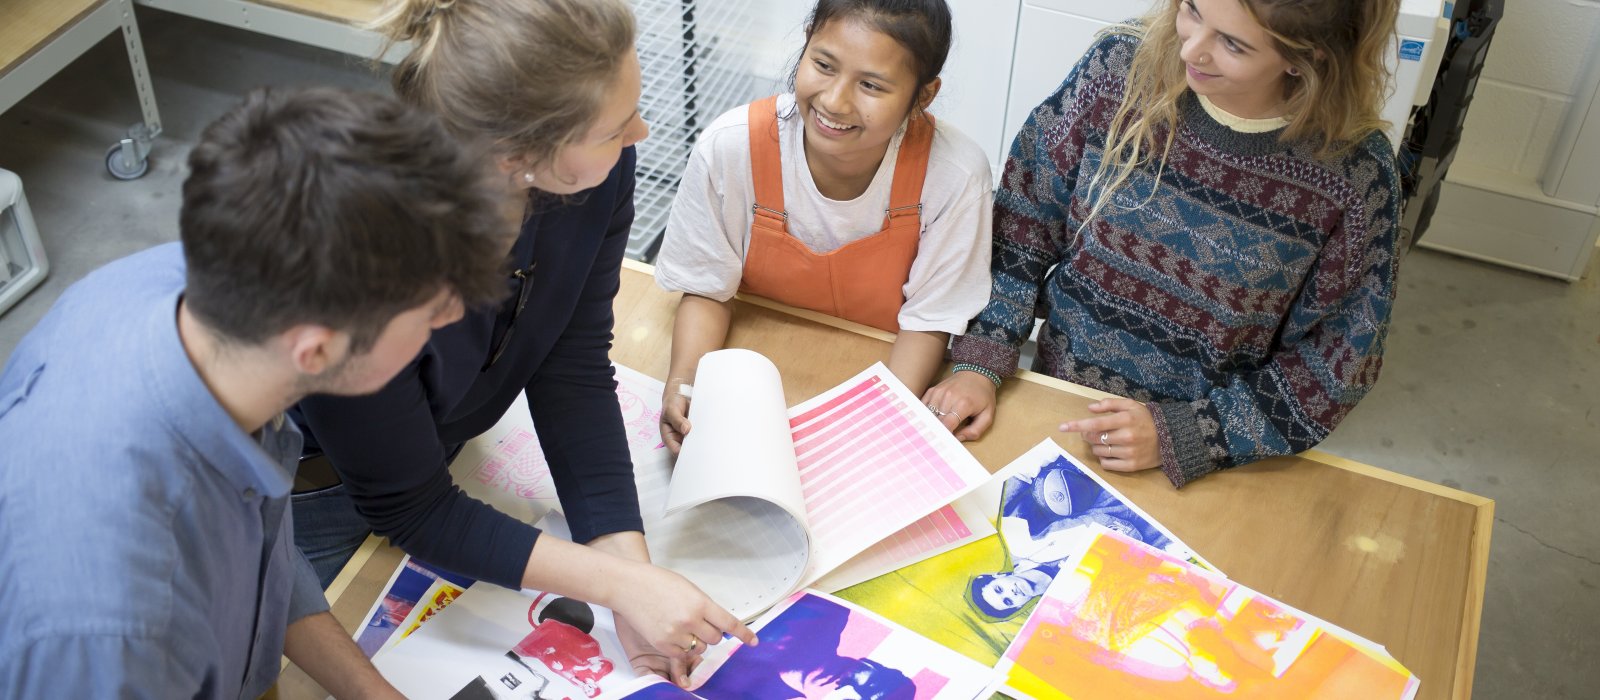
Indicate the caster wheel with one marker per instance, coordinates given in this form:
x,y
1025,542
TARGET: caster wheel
x,y
119,170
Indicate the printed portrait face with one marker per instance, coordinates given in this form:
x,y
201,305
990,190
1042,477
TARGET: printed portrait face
x,y
1008,592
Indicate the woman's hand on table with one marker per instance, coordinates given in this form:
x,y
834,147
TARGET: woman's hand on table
x,y
674,415
962,397
643,656
1123,436
676,619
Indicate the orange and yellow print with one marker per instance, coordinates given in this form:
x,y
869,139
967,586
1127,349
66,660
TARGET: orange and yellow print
x,y
1131,622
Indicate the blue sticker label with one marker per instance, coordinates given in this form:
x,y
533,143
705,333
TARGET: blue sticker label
x,y
1411,49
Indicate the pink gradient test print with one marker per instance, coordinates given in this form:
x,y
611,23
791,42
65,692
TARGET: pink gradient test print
x,y
842,444
943,527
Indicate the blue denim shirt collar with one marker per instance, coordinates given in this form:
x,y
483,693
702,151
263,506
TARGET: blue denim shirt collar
x,y
192,413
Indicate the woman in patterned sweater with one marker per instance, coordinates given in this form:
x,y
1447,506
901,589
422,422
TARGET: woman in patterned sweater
x,y
1205,214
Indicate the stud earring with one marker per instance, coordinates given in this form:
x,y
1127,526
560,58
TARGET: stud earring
x,y
1294,72
527,178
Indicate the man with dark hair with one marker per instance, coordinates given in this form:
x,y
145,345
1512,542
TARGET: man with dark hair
x,y
145,537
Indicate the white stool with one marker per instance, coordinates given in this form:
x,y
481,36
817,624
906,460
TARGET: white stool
x,y
22,262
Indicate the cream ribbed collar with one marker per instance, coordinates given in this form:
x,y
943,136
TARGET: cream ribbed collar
x,y
1240,124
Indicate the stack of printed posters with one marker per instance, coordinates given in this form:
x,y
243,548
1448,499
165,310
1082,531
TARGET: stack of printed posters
x,y
1041,582
975,598
494,643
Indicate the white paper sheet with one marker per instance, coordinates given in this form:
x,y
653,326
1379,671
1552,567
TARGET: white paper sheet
x,y
471,639
739,443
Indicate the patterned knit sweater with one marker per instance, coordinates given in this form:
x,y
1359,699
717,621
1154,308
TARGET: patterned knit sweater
x,y
1244,298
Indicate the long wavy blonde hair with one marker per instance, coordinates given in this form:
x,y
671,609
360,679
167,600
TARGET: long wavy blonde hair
x,y
1337,47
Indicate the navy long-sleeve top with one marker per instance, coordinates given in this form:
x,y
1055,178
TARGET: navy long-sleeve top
x,y
390,448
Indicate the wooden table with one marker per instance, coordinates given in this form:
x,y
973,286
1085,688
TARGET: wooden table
x,y
1395,559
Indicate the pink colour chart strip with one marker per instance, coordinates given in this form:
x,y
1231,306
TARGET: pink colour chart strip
x,y
832,404
862,461
940,528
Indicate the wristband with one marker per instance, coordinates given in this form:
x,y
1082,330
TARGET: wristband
x,y
986,372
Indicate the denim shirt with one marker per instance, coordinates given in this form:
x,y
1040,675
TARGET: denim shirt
x,y
146,547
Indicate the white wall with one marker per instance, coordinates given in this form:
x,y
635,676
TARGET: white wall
x,y
976,74
1533,70
776,36
1491,206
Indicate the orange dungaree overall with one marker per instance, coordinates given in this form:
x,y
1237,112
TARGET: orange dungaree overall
x,y
864,280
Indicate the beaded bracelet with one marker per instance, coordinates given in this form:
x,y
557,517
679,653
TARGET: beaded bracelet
x,y
986,372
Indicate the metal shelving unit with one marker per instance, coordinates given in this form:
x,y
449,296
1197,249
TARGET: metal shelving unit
x,y
40,37
694,64
694,70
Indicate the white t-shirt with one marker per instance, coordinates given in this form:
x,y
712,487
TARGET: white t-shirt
x,y
708,232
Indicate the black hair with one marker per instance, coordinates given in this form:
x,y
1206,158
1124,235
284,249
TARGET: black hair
x,y
923,27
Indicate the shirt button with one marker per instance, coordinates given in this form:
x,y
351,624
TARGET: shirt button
x,y
249,495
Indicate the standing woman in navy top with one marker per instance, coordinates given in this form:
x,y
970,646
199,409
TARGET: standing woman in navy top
x,y
553,86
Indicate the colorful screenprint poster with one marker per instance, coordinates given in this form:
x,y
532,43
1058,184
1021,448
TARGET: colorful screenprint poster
x,y
974,599
816,646
1131,622
410,582
497,643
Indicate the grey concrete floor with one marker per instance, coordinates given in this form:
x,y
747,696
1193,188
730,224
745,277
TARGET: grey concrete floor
x,y
1491,381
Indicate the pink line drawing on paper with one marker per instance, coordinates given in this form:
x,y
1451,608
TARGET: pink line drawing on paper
x,y
642,422
517,467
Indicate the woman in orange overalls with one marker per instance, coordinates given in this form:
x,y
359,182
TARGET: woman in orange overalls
x,y
844,197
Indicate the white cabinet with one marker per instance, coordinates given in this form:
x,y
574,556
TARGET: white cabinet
x,y
977,73
1051,36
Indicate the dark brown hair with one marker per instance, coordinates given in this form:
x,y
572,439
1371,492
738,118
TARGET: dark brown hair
x,y
334,207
